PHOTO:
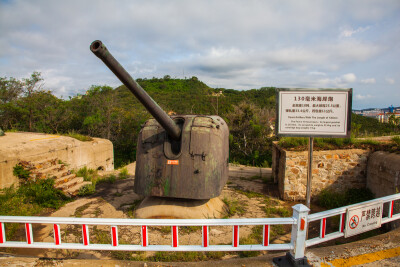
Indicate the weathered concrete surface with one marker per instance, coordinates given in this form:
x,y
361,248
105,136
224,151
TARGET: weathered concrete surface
x,y
171,208
383,178
38,147
383,173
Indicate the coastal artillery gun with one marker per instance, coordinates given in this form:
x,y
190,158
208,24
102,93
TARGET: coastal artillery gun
x,y
182,156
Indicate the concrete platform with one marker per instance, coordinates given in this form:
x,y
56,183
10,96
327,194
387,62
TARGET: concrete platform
x,y
37,147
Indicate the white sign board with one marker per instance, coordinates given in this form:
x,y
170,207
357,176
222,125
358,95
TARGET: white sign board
x,y
314,112
363,218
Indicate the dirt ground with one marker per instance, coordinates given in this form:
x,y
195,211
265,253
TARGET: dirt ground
x,y
248,197
251,197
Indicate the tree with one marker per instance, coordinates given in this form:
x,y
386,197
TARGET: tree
x,y
10,89
250,133
30,86
393,120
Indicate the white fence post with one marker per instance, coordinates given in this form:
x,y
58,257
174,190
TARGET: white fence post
x,y
299,230
299,236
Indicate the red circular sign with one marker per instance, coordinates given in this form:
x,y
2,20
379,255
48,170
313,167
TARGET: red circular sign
x,y
354,221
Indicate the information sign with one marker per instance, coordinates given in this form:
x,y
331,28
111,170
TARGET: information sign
x,y
314,112
363,218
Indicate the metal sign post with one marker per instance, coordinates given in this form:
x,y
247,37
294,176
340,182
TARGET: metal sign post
x,y
309,170
313,113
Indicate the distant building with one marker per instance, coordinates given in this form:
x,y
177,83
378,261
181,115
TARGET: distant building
x,y
384,117
381,115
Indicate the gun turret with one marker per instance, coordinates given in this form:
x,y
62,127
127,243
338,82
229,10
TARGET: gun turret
x,y
185,156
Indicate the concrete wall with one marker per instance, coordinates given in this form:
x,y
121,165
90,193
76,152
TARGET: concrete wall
x,y
383,177
337,170
36,147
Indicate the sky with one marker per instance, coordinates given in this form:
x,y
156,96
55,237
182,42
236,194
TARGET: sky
x,y
226,44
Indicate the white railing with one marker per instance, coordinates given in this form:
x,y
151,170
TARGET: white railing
x,y
299,221
323,216
144,224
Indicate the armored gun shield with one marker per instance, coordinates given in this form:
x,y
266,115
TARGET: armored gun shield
x,y
195,167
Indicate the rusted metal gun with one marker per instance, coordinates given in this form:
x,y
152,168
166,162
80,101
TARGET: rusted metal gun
x,y
182,156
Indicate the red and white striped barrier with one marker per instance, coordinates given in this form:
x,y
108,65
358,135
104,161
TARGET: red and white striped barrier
x,y
299,222
57,234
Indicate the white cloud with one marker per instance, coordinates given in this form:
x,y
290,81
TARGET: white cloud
x,y
390,80
368,81
318,73
363,97
348,78
231,44
350,31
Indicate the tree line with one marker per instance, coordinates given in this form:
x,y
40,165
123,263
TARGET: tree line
x,y
115,114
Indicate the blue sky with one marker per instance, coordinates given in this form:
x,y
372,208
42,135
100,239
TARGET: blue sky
x,y
230,44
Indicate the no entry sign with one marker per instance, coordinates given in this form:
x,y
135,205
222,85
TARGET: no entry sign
x,y
362,218
314,112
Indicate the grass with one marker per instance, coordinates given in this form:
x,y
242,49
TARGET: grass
x,y
20,172
100,236
86,190
165,256
123,173
249,194
93,176
80,137
330,200
280,211
131,210
189,229
79,211
128,255
87,174
234,207
30,199
254,238
301,143
396,140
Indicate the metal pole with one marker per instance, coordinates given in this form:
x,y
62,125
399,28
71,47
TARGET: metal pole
x,y
309,170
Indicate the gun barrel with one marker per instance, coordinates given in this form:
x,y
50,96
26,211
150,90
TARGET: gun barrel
x,y
99,49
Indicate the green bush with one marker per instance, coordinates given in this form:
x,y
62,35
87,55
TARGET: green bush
x,y
109,179
43,193
86,190
20,172
87,174
29,200
396,140
123,174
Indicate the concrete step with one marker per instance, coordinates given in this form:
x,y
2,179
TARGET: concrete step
x,y
72,191
64,179
52,169
70,183
59,174
42,164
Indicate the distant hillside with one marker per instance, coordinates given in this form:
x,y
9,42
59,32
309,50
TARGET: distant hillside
x,y
191,96
365,126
